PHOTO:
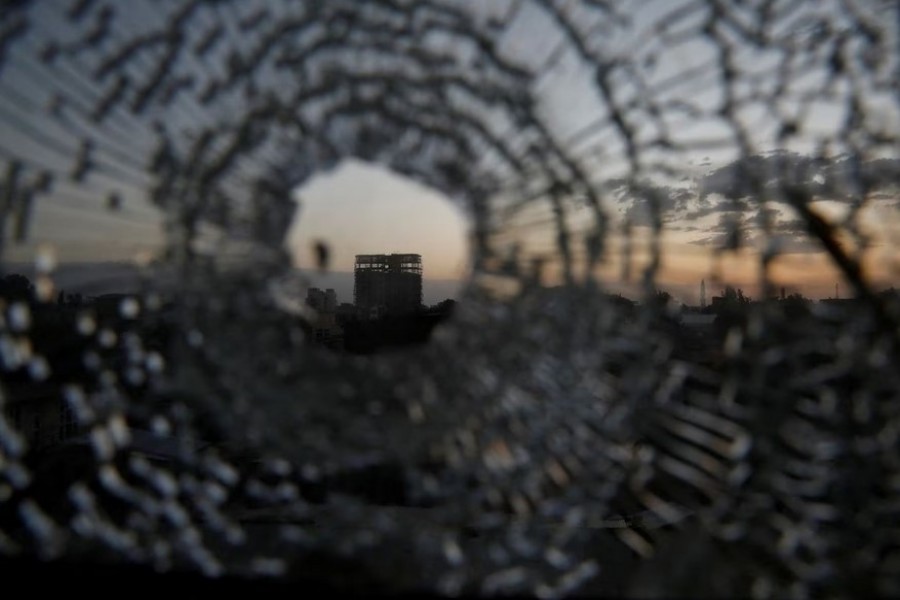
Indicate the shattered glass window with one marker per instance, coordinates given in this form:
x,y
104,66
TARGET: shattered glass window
x,y
666,365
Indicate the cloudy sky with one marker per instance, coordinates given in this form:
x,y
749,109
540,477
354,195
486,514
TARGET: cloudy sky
x,y
814,89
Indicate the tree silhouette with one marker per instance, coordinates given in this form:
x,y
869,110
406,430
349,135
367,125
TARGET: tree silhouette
x,y
661,299
735,297
731,309
795,305
16,287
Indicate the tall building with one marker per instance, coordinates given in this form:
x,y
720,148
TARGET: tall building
x,y
331,302
315,299
387,284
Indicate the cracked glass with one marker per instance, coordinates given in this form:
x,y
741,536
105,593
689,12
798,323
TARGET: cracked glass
x,y
666,364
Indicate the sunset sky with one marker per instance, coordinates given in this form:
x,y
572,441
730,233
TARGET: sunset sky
x,y
360,208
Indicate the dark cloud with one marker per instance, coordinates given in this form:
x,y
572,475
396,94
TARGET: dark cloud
x,y
841,179
786,244
754,175
644,200
732,193
795,226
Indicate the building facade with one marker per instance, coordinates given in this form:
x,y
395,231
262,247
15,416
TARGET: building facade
x,y
387,284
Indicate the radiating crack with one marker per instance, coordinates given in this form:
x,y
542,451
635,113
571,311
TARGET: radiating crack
x,y
551,441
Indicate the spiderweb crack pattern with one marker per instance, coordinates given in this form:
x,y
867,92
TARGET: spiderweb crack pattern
x,y
552,442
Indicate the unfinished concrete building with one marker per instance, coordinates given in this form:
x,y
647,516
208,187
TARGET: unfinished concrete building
x,y
387,284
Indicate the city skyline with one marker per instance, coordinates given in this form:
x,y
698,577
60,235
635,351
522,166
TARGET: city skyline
x,y
379,196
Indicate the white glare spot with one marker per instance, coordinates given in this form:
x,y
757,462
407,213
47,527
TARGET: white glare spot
x,y
129,308
45,259
17,476
10,353
19,317
102,444
195,339
44,288
41,526
452,552
160,426
38,368
155,362
119,431
107,338
86,324
77,401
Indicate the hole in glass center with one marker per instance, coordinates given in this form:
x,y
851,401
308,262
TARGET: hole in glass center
x,y
385,258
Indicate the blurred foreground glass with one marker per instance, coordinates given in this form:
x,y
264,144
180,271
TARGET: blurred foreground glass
x,y
674,352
